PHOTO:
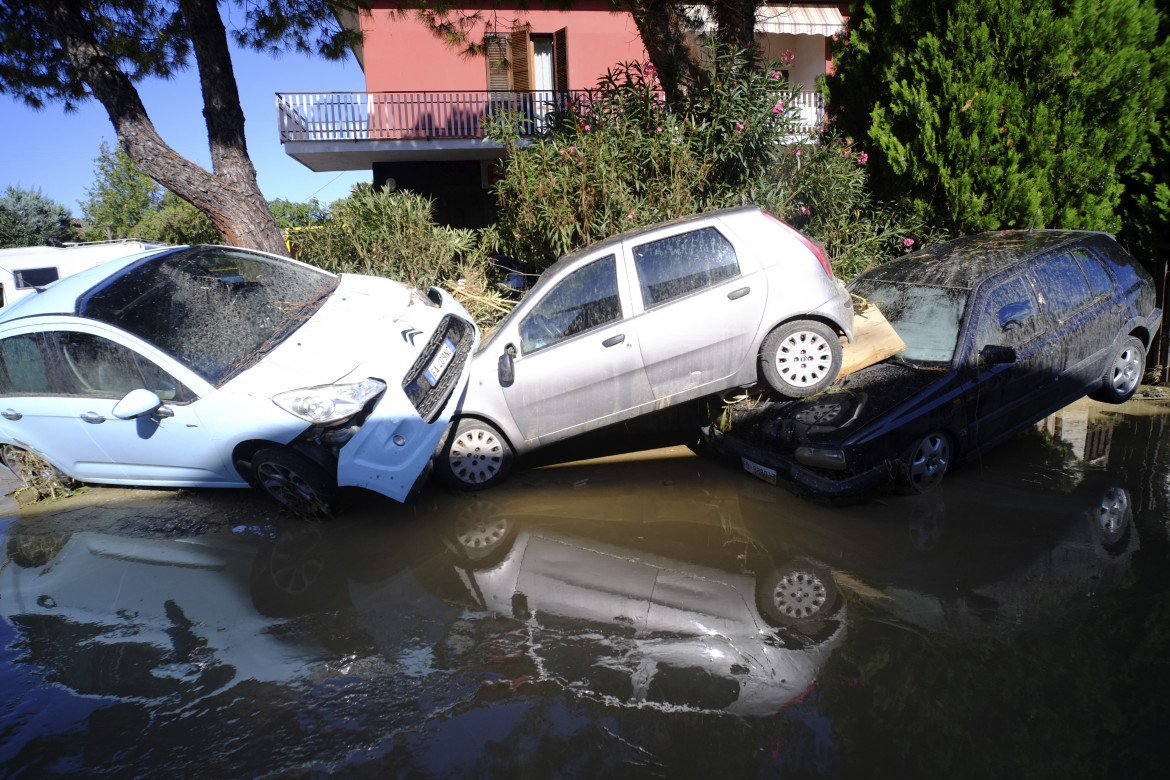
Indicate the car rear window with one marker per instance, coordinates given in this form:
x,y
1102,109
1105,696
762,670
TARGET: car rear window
x,y
214,309
1063,285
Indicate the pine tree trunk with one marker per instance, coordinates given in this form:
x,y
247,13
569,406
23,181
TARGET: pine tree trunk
x,y
230,195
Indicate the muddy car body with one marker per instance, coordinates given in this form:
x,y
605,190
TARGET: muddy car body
x,y
220,367
1001,330
648,319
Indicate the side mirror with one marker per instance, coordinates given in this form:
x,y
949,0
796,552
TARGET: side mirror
x,y
995,354
139,402
507,368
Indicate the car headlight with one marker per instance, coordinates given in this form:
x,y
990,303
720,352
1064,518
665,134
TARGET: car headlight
x,y
329,403
821,457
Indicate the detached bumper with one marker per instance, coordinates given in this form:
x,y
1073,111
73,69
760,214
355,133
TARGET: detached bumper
x,y
796,477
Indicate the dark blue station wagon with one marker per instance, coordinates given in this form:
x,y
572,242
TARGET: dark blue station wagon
x,y
1001,329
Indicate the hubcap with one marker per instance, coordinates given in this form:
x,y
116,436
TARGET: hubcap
x,y
803,358
1126,371
930,461
476,456
800,594
291,490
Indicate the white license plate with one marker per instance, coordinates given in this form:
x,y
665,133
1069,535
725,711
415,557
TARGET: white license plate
x,y
435,370
763,472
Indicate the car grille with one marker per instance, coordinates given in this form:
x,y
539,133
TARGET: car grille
x,y
429,399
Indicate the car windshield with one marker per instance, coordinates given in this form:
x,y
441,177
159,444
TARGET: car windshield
x,y
217,310
926,318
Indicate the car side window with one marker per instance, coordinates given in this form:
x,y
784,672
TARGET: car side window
x,y
1099,279
22,366
677,265
1008,317
99,367
1064,286
585,299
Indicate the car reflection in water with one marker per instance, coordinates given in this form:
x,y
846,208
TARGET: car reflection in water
x,y
613,620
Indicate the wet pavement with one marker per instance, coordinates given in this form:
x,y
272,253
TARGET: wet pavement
x,y
657,614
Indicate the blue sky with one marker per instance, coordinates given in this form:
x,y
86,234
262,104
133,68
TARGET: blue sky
x,y
54,152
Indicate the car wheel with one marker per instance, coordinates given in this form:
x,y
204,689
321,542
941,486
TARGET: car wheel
x,y
801,358
1124,376
800,592
475,456
481,534
297,483
1111,521
925,463
38,475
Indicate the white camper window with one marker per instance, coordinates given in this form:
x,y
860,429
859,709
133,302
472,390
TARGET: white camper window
x,y
29,278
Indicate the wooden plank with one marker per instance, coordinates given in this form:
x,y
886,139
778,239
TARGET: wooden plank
x,y
874,340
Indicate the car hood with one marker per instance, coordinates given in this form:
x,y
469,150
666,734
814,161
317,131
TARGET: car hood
x,y
856,403
359,327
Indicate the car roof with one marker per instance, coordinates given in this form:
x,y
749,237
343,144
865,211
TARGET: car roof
x,y
61,296
965,262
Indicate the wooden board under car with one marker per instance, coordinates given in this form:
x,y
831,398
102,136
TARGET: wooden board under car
x,y
874,340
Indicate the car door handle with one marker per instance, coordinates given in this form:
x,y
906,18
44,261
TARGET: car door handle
x,y
613,341
93,417
11,414
735,294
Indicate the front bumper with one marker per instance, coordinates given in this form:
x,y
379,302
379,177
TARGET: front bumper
x,y
796,477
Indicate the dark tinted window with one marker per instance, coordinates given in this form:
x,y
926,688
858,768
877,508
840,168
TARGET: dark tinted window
x,y
35,277
215,309
675,266
1063,285
1099,280
585,299
99,367
24,371
1008,316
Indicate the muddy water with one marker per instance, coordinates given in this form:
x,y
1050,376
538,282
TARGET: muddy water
x,y
651,615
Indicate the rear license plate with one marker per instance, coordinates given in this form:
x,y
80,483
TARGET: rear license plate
x,y
435,370
763,472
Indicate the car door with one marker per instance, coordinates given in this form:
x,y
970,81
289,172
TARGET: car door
x,y
1076,290
578,366
702,305
1009,394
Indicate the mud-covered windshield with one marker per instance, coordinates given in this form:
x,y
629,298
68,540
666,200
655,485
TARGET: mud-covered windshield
x,y
215,309
926,318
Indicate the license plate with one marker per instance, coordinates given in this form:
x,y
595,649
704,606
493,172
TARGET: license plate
x,y
435,370
763,472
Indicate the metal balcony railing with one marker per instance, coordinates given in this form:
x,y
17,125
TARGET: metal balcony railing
x,y
400,116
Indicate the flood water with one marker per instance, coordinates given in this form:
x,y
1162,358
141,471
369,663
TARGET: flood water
x,y
659,615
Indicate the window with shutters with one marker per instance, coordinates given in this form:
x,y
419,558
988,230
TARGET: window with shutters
x,y
498,49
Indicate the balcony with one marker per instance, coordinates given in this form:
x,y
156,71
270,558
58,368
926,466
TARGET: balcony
x,y
350,131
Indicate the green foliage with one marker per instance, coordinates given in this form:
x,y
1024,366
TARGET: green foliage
x,y
121,197
624,158
388,233
988,114
177,222
28,218
290,215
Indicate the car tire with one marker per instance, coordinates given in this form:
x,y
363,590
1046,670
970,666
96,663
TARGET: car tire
x,y
925,464
481,535
801,358
475,456
796,593
298,484
1125,373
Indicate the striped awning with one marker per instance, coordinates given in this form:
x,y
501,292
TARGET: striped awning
x,y
787,18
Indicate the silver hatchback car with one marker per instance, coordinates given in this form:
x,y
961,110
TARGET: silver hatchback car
x,y
646,319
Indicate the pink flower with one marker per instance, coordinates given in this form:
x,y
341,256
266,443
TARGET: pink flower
x,y
630,215
775,74
660,128
650,68
778,108
572,150
908,243
804,209
862,158
739,127
586,128
797,152
554,180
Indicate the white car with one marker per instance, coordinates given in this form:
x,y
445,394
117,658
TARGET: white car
x,y
648,319
213,366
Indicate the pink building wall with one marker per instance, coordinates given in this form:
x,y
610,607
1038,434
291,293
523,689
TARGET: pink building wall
x,y
402,54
